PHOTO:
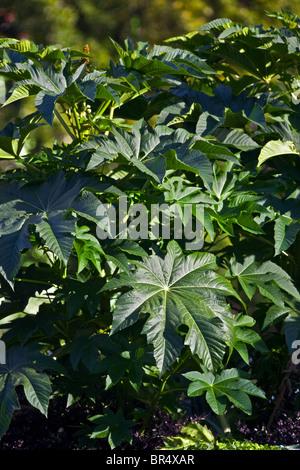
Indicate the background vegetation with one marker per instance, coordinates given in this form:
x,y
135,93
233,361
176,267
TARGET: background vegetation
x,y
77,22
74,23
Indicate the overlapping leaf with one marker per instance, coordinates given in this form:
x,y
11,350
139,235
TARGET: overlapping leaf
x,y
270,279
162,61
154,151
229,384
17,371
285,233
115,426
48,206
239,333
49,84
275,148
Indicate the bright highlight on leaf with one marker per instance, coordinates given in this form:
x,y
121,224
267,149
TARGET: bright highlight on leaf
x,y
275,148
177,290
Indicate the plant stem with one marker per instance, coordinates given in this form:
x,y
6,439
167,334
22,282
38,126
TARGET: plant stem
x,y
75,114
198,362
126,177
30,166
35,281
222,418
111,115
282,389
225,426
160,392
102,108
64,124
171,390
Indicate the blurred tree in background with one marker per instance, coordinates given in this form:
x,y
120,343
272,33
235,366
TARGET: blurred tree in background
x,y
77,22
74,23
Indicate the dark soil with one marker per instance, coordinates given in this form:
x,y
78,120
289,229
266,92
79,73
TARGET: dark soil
x,y
30,430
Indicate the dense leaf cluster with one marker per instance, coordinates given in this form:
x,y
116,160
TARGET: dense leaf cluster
x,y
207,122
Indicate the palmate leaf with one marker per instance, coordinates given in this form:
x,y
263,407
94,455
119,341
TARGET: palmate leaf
x,y
239,335
48,207
230,384
111,425
270,279
17,371
139,143
48,83
162,61
153,151
176,291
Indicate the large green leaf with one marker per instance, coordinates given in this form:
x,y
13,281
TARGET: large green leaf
x,y
275,148
48,85
19,370
229,384
162,60
176,291
47,206
285,233
269,278
144,147
135,146
239,333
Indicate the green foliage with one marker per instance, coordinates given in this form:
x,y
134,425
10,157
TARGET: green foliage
x,y
20,371
195,436
244,445
51,207
123,312
180,291
77,23
112,425
229,384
